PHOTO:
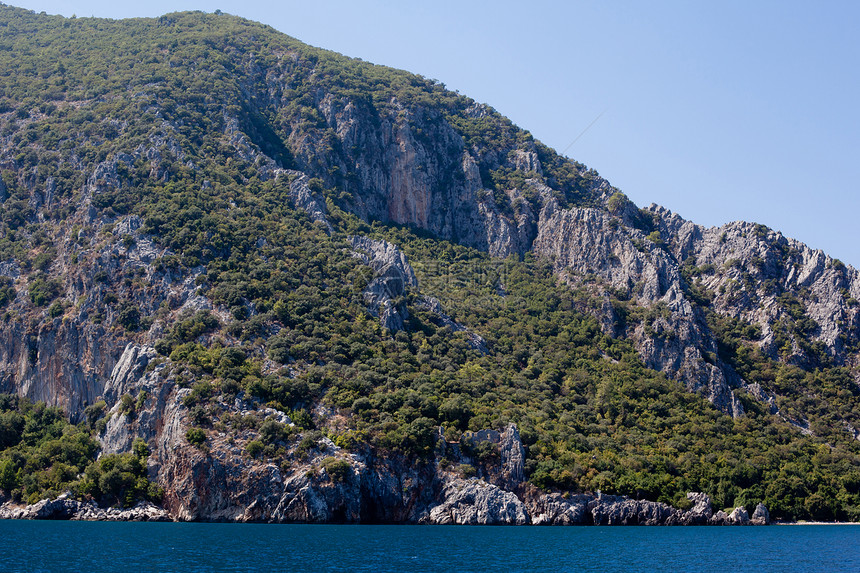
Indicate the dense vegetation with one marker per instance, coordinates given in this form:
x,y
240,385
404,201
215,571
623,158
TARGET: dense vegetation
x,y
42,456
85,96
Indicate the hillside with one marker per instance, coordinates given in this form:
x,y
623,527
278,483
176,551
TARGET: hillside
x,y
286,285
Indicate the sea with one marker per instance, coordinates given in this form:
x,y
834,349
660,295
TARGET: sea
x,y
102,546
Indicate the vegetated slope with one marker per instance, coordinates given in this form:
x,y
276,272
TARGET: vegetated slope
x,y
200,226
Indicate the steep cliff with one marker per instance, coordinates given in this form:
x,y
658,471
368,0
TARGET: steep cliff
x,y
322,290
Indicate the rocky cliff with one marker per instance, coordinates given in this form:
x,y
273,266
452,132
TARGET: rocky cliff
x,y
326,484
212,238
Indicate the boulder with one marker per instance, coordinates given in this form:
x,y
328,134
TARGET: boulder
x,y
739,516
556,509
620,510
761,516
475,502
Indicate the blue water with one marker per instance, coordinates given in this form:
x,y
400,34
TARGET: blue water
x,y
135,547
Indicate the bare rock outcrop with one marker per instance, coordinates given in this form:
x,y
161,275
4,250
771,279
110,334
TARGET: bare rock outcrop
x,y
616,510
306,199
592,243
762,277
739,516
701,512
556,509
66,508
761,516
60,362
392,276
475,502
150,390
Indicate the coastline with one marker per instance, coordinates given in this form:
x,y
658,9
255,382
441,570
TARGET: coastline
x,y
547,509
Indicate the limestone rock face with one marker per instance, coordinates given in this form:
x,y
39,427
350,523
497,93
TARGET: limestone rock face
x,y
751,273
130,377
739,517
474,502
129,369
615,510
411,168
62,363
749,267
555,509
392,275
513,457
592,243
304,198
761,516
701,512
64,508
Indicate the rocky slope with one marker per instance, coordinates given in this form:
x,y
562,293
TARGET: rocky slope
x,y
128,199
326,484
409,164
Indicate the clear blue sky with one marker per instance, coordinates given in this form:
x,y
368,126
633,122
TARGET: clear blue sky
x,y
718,111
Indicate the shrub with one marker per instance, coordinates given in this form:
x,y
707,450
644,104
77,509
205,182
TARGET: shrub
x,y
43,290
254,448
196,437
617,203
140,449
7,292
56,309
467,470
129,316
272,431
127,405
338,470
94,412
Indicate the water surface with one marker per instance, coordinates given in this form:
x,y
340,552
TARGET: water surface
x,y
100,546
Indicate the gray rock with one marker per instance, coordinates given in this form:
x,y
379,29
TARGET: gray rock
x,y
719,518
701,511
761,516
590,242
64,363
392,276
739,517
513,457
305,199
475,502
128,370
65,508
617,510
556,509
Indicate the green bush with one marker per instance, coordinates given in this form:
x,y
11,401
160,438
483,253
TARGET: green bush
x,y
43,289
254,448
337,469
195,436
7,291
467,470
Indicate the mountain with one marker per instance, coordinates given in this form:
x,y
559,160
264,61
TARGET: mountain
x,y
263,281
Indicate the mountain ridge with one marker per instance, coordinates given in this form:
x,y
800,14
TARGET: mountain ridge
x,y
212,234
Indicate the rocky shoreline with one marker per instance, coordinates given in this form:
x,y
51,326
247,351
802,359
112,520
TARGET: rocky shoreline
x,y
473,503
331,485
66,508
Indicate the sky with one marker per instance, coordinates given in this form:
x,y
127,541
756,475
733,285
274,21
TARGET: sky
x,y
719,111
